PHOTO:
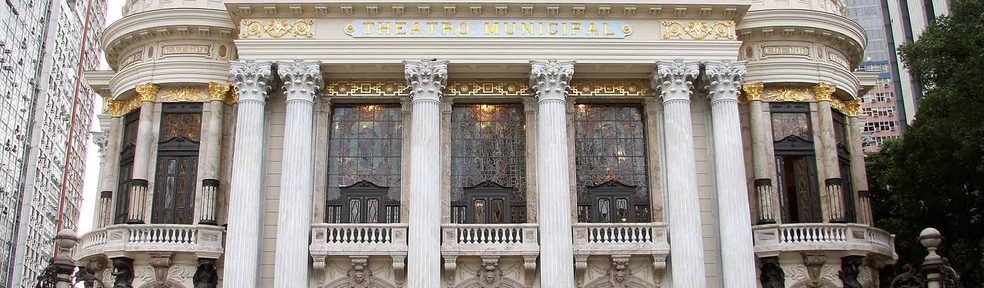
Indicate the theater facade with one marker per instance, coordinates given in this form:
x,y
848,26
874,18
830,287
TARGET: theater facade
x,y
492,143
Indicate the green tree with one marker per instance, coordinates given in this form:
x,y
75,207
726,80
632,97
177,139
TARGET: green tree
x,y
932,176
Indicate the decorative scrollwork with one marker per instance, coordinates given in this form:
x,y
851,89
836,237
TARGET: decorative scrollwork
x,y
276,28
699,30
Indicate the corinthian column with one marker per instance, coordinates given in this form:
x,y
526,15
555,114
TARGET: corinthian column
x,y
141,156
242,253
762,167
426,79
302,79
833,191
673,79
737,250
213,151
550,81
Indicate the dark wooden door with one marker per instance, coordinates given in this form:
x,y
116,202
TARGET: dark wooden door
x,y
174,195
798,188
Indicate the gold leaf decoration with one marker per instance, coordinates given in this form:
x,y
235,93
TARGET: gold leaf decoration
x,y
789,94
147,91
218,92
753,91
611,87
370,88
276,28
699,30
503,87
183,94
824,91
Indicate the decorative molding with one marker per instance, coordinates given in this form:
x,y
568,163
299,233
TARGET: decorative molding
x,y
113,108
550,79
276,28
611,87
753,91
789,94
220,92
699,30
497,87
147,92
823,91
183,94
367,88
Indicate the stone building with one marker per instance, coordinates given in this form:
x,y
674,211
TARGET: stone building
x,y
505,144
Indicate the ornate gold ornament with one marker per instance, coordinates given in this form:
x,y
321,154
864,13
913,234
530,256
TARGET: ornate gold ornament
x,y
848,107
699,30
183,94
147,91
276,28
129,105
608,87
367,88
112,107
789,94
503,87
218,92
824,91
753,91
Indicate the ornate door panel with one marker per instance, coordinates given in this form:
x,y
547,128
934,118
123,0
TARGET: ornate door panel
x,y
174,194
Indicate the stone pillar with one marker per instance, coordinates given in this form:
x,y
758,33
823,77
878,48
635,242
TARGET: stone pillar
x,y
550,81
529,111
426,79
141,156
858,173
761,129
833,191
673,79
654,143
106,185
302,80
212,138
737,250
242,253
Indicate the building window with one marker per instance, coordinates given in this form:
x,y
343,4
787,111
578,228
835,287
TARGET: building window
x,y
610,156
488,164
177,163
796,169
365,143
127,147
844,163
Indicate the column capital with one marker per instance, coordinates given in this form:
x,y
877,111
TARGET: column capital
x,y
147,91
674,79
101,139
426,78
219,92
725,79
551,78
301,79
824,91
753,91
250,78
113,108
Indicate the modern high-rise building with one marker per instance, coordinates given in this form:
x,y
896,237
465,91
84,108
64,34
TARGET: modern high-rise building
x,y
907,19
880,108
46,114
498,143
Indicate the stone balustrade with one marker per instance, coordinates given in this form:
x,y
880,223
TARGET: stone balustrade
x,y
854,239
620,239
359,240
205,241
489,239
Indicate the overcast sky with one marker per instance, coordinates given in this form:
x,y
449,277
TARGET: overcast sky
x,y
90,186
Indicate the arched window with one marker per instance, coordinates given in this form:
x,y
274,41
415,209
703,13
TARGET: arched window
x,y
488,164
364,164
177,163
610,156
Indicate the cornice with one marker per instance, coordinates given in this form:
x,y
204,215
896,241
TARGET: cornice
x,y
165,23
785,71
701,9
807,23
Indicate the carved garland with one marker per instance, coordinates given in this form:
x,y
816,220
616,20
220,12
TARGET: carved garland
x,y
276,28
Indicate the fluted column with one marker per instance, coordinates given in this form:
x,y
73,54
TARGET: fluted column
x,y
426,79
737,250
833,191
141,156
673,79
761,129
101,139
242,253
550,81
301,79
212,139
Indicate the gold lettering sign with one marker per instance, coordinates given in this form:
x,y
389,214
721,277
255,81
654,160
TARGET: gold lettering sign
x,y
187,49
382,28
786,50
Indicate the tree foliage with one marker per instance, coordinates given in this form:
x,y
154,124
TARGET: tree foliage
x,y
933,175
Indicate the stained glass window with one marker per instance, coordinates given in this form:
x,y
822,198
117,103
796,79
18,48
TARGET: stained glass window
x,y
488,163
364,150
610,156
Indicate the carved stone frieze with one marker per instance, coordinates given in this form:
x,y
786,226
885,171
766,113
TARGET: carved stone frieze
x,y
699,30
550,79
276,28
183,94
